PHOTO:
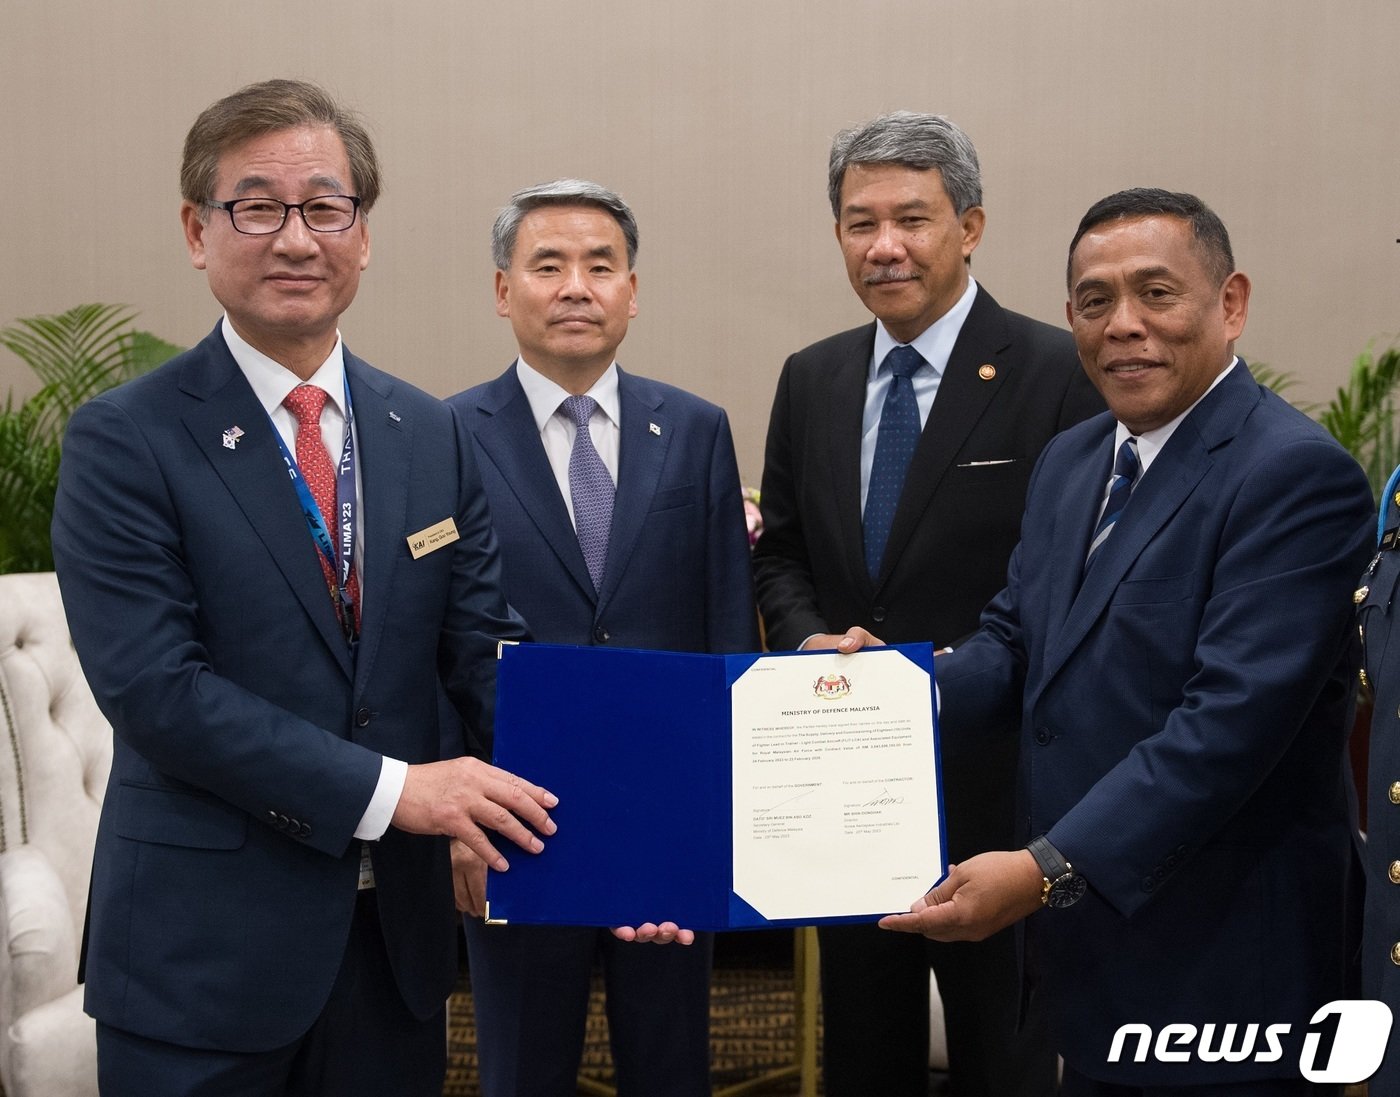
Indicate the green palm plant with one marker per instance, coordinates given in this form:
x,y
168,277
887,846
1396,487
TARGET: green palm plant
x,y
1362,416
76,355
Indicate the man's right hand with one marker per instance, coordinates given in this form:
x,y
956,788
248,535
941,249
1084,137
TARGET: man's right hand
x,y
461,796
853,639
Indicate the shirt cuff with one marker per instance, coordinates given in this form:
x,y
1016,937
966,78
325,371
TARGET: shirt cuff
x,y
375,821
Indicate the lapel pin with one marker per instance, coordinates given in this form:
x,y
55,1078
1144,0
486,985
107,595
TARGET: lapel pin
x,y
231,437
395,417
654,429
986,371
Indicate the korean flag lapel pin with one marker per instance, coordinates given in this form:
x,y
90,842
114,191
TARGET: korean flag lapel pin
x,y
231,437
654,429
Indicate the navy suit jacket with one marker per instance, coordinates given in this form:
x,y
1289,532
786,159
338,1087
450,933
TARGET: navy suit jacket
x,y
677,575
248,741
1183,716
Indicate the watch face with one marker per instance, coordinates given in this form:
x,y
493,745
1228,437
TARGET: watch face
x,y
1066,891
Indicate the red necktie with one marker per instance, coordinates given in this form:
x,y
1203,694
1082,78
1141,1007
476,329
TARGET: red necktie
x,y
305,402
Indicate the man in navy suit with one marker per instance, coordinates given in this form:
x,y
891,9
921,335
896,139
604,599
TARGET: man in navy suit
x,y
991,387
265,628
616,501
1175,636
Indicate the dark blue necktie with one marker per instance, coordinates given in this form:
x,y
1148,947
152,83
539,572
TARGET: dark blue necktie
x,y
894,449
1125,474
591,487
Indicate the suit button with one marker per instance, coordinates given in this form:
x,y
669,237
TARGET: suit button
x,y
877,614
362,718
1150,884
1395,792
1395,953
282,821
305,831
1394,872
600,634
1042,736
272,817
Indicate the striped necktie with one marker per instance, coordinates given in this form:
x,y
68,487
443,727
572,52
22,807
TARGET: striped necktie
x,y
1120,487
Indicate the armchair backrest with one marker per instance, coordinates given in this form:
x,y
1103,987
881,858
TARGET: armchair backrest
x,y
55,746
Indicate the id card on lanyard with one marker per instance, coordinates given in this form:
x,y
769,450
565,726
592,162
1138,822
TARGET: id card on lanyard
x,y
338,550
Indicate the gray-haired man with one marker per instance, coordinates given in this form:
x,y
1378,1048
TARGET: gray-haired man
x,y
896,469
616,502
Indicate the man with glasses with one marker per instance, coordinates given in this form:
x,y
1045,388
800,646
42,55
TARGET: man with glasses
x,y
269,551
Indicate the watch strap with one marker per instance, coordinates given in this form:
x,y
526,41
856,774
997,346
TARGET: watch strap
x,y
1052,864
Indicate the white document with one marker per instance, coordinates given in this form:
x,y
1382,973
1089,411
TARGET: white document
x,y
835,785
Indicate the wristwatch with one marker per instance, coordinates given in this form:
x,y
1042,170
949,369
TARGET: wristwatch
x,y
1063,887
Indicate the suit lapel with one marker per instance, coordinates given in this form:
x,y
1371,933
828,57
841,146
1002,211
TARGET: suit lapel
x,y
844,408
963,395
646,435
384,448
1075,515
1173,476
255,475
506,432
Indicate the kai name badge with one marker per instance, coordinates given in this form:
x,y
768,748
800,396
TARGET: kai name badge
x,y
433,538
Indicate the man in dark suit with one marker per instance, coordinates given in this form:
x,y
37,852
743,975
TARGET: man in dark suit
x,y
617,504
1175,635
268,915
847,546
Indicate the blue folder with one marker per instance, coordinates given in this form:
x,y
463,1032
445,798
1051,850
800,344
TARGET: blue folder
x,y
637,746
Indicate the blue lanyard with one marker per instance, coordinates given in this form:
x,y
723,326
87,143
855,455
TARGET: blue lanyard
x,y
341,554
1388,500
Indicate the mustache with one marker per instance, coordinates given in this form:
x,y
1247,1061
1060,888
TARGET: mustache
x,y
881,275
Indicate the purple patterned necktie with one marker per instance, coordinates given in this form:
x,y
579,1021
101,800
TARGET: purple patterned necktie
x,y
591,488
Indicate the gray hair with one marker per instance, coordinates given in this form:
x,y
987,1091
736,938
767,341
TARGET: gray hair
x,y
919,141
561,192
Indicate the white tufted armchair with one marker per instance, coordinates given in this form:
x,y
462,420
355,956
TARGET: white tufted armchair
x,y
55,753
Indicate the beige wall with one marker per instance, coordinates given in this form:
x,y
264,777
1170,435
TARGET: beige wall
x,y
713,118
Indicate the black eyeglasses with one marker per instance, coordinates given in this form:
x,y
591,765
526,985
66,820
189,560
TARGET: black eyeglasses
x,y
264,216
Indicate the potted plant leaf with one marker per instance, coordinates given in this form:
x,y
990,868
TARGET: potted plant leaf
x,y
75,355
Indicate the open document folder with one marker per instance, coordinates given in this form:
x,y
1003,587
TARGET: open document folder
x,y
722,791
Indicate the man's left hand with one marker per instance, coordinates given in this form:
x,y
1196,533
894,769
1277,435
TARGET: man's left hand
x,y
468,879
469,888
982,895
